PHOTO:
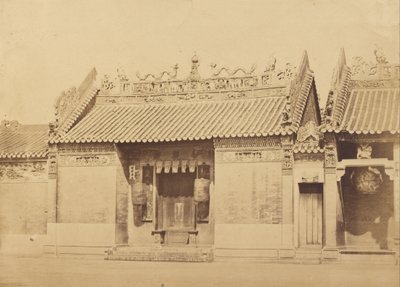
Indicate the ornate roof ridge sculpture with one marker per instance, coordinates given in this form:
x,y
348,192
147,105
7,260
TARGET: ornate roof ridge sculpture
x,y
229,103
373,87
72,103
381,69
221,79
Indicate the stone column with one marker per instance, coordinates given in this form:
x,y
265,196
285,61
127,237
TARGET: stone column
x,y
50,247
396,196
287,193
330,196
121,224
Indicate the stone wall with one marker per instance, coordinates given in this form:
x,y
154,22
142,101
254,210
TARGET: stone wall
x,y
23,206
86,198
248,193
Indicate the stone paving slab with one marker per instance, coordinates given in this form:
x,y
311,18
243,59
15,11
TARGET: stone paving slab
x,y
83,272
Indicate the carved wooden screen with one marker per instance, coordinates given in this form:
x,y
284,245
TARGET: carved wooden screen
x,y
202,207
148,188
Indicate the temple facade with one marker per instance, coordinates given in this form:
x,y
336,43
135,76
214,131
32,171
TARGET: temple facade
x,y
237,165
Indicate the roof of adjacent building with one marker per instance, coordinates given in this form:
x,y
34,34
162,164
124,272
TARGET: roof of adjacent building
x,y
23,141
364,99
229,103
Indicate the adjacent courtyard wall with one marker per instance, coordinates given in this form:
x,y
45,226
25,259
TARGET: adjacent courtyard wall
x,y
23,207
85,199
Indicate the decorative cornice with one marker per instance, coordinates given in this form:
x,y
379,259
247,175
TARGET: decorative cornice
x,y
86,148
86,160
271,142
249,156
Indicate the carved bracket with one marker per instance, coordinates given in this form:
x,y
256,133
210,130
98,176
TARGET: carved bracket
x,y
389,165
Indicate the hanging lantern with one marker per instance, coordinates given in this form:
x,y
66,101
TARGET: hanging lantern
x,y
366,180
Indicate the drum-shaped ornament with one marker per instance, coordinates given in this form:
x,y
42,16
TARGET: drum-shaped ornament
x,y
366,180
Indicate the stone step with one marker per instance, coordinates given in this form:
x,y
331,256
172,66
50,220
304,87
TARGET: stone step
x,y
310,256
161,253
368,256
75,251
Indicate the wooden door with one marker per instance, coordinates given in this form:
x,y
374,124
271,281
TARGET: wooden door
x,y
310,217
178,213
176,194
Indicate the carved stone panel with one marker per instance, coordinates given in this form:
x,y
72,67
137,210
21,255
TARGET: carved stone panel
x,y
30,171
86,160
249,156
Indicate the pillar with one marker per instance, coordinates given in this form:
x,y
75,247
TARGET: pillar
x,y
396,196
330,195
51,240
287,239
329,206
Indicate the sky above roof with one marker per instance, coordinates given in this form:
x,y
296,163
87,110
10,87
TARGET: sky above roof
x,y
48,46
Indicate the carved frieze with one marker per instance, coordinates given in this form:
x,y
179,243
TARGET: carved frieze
x,y
86,160
287,161
287,147
230,81
27,171
330,156
86,148
249,156
247,142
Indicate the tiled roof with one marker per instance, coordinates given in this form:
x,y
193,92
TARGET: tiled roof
x,y
23,141
179,121
371,111
85,104
307,147
302,97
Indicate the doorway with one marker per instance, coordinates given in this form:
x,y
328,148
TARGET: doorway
x,y
310,215
176,202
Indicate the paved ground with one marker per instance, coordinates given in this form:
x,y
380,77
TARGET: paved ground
x,y
83,272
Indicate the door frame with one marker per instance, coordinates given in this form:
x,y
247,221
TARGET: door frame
x,y
161,211
302,190
296,222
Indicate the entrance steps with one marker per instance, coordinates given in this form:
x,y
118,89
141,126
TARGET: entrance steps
x,y
309,255
359,256
161,253
278,255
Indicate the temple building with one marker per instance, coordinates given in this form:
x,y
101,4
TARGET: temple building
x,y
236,165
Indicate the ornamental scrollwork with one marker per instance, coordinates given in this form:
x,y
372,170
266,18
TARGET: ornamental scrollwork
x,y
231,72
66,103
308,132
248,156
330,156
163,74
30,171
85,160
287,113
